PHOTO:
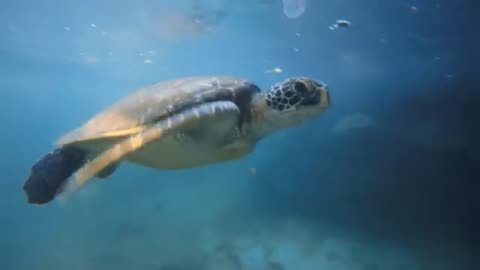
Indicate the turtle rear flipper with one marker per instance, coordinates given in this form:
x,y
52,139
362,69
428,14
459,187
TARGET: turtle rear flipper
x,y
50,172
107,171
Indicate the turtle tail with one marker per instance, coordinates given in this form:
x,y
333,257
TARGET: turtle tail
x,y
48,175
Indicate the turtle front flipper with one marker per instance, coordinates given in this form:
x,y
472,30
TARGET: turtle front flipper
x,y
219,112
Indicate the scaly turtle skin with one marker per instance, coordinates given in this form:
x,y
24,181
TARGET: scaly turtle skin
x,y
174,125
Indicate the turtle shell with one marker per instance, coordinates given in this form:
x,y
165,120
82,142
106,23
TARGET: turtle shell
x,y
149,105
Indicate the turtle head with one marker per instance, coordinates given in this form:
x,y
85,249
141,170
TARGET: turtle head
x,y
294,101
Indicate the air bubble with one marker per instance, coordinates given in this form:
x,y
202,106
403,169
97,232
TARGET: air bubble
x,y
294,8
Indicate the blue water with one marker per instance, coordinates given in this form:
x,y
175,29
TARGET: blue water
x,y
380,181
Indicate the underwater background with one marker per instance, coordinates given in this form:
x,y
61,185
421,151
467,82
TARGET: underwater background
x,y
382,180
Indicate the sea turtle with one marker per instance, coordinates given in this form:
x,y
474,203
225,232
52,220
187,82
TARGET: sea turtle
x,y
176,124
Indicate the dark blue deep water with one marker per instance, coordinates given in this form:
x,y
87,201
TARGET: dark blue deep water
x,y
382,181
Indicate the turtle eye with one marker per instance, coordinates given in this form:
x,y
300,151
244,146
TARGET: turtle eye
x,y
300,87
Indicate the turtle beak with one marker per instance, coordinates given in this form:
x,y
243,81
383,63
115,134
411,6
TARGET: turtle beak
x,y
324,96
